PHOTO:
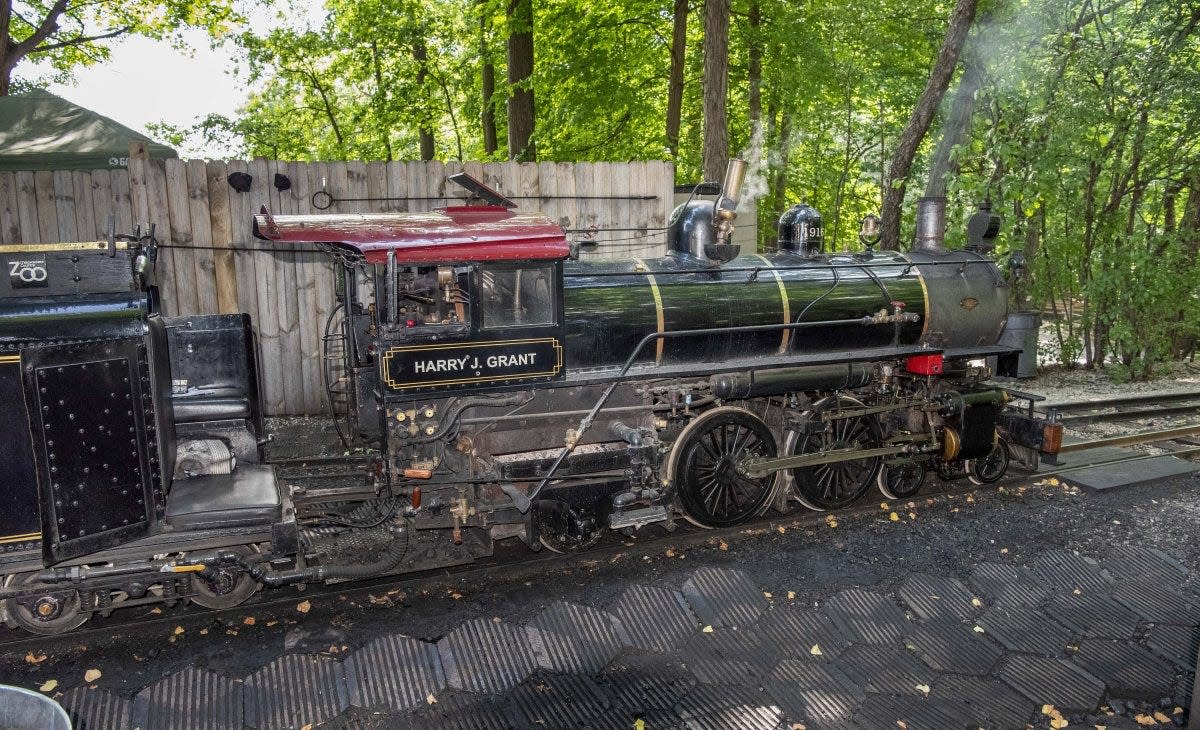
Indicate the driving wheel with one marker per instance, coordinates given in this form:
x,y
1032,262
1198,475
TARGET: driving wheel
x,y
901,479
990,468
705,466
837,484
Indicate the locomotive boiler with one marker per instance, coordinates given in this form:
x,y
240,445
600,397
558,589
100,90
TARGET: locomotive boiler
x,y
503,389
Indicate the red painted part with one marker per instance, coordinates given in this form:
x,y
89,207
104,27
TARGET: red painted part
x,y
451,235
924,364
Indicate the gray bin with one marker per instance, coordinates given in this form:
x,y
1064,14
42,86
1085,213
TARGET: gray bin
x,y
23,709
1022,331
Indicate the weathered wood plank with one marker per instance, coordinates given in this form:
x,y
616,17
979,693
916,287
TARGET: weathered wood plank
x,y
64,205
10,223
122,202
178,241
397,185
27,210
100,182
158,216
81,188
47,207
376,174
269,337
247,297
221,229
287,303
200,211
307,327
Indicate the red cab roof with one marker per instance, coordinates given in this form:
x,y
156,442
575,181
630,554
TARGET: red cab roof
x,y
450,235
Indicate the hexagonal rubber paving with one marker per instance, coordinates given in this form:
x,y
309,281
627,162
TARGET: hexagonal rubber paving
x,y
795,632
575,638
1093,615
644,683
937,596
815,674
745,645
1025,629
96,708
557,700
1127,669
485,656
191,698
395,671
1052,682
989,702
724,597
1156,602
866,616
818,708
729,708
1065,569
464,711
1001,584
912,713
886,670
655,619
295,690
1135,562
952,647
1179,644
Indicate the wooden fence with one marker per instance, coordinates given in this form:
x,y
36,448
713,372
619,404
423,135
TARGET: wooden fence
x,y
204,224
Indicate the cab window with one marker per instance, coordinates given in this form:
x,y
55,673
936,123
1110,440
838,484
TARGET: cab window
x,y
517,297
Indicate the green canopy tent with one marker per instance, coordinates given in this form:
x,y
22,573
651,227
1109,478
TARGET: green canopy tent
x,y
41,131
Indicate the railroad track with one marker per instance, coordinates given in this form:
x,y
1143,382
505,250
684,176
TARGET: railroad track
x,y
1126,407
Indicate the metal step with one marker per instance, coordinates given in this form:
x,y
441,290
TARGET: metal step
x,y
636,518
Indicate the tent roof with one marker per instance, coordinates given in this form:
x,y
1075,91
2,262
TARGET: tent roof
x,y
41,131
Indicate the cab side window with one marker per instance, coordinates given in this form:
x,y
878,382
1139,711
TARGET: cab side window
x,y
516,297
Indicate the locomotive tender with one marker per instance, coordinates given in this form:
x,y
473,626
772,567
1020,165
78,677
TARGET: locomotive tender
x,y
511,390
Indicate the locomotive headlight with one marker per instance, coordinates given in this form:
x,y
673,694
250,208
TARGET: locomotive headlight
x,y
869,234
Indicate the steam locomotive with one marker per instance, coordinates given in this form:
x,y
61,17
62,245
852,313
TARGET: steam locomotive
x,y
508,389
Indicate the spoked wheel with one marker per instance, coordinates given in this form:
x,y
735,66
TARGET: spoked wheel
x,y
990,468
228,588
901,479
55,611
704,467
835,485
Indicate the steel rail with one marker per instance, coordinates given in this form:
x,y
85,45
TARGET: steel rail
x,y
1142,437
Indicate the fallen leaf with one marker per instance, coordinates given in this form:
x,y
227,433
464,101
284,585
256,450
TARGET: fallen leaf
x,y
781,529
1077,592
894,517
231,632
48,685
767,594
1004,551
979,630
831,521
902,724
923,688
91,675
1145,720
912,515
249,620
883,505
430,699
1058,722
791,595
204,632
1116,522
1048,710
976,602
1178,711
816,650
178,630
970,499
670,553
495,619
706,630
793,726
1102,727
156,610
35,658
456,595
1162,718
309,726
724,545
304,606
1052,482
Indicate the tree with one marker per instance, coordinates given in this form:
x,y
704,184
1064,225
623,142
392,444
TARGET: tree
x,y
675,81
716,85
71,33
922,116
521,112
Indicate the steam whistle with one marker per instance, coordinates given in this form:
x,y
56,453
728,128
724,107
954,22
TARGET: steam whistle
x,y
725,209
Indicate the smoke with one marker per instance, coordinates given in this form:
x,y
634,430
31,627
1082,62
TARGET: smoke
x,y
756,185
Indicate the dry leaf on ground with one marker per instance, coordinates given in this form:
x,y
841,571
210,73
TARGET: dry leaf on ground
x,y
91,675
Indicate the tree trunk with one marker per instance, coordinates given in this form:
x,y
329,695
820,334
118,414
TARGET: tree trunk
x,y
779,184
918,123
488,82
520,80
381,101
675,82
754,70
957,126
716,82
425,130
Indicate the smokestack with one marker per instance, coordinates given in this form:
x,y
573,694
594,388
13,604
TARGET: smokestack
x,y
931,226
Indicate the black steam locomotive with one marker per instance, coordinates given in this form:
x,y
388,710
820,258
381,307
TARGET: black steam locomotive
x,y
511,390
